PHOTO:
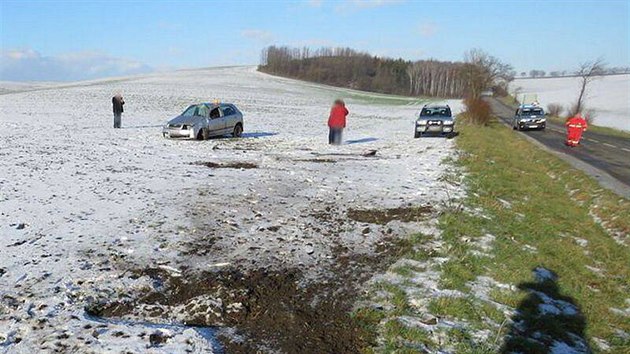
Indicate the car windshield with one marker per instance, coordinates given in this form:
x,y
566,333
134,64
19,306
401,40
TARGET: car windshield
x,y
190,111
436,112
532,112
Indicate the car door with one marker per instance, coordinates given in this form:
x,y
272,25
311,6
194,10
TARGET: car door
x,y
515,119
216,124
230,118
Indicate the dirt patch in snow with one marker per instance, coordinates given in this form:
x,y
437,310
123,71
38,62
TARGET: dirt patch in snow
x,y
384,216
243,165
319,160
272,310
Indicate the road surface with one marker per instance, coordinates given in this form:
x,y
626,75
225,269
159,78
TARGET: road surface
x,y
610,154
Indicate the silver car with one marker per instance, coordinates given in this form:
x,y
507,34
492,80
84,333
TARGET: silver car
x,y
203,120
435,119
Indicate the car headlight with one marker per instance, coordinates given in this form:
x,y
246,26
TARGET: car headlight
x,y
421,122
447,122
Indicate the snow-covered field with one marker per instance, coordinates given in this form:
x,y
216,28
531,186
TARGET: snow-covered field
x,y
82,203
608,96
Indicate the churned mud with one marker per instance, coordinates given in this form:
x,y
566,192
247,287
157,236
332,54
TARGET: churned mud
x,y
383,216
272,310
243,165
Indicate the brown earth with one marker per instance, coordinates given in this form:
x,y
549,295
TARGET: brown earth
x,y
276,310
245,165
383,216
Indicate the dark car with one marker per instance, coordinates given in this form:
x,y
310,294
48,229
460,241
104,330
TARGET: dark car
x,y
529,116
435,119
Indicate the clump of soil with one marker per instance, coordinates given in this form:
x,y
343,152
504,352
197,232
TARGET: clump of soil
x,y
244,165
383,216
272,310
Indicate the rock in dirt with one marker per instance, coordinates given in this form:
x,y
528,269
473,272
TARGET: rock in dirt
x,y
429,320
369,153
158,338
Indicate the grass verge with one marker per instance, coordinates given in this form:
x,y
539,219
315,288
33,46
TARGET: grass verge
x,y
526,209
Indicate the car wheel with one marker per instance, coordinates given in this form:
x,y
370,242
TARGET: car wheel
x,y
417,135
238,131
202,134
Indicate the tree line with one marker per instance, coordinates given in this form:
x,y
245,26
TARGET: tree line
x,y
345,67
541,73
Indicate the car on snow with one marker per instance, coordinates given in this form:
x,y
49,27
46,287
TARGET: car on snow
x,y
529,116
204,120
435,119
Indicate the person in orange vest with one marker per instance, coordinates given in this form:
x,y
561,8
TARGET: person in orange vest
x,y
576,125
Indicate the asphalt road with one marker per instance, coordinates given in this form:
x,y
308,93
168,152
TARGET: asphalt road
x,y
607,153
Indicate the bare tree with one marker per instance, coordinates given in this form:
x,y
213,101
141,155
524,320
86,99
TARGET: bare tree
x,y
554,109
482,71
587,72
517,91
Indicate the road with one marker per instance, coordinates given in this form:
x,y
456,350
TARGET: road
x,y
606,153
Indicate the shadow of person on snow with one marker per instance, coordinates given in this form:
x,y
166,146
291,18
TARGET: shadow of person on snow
x,y
546,321
258,134
251,135
360,141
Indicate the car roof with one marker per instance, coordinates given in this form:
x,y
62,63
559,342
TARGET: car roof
x,y
436,105
530,106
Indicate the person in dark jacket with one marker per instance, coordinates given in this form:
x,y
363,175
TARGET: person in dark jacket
x,y
117,103
337,122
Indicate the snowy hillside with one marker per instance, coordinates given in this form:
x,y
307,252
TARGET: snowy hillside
x,y
609,96
82,205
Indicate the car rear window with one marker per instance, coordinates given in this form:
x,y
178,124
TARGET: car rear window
x,y
436,112
532,112
228,111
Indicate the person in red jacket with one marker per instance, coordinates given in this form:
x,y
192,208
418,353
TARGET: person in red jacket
x,y
576,125
337,121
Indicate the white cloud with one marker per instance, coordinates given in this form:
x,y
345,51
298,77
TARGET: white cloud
x,y
258,35
30,65
428,29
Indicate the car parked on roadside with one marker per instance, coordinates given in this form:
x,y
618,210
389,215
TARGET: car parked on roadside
x,y
204,120
529,116
435,119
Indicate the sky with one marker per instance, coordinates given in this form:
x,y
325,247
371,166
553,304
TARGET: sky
x,y
74,40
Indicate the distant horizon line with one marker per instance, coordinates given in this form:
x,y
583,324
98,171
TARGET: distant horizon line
x,y
222,66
